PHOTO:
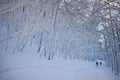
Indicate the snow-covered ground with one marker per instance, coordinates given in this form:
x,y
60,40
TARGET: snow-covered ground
x,y
28,66
24,21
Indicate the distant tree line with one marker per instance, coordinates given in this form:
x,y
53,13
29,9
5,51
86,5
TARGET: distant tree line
x,y
105,13
108,12
88,13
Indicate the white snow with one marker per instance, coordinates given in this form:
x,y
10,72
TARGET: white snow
x,y
66,40
28,66
23,21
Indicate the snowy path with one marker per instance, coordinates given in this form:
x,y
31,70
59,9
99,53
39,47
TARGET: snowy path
x,y
32,68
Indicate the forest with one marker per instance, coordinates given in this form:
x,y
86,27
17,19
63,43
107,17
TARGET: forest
x,y
72,29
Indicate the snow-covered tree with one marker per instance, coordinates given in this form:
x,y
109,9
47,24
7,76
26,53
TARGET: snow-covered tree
x,y
108,13
57,27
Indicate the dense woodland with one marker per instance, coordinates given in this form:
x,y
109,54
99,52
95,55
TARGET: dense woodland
x,y
98,19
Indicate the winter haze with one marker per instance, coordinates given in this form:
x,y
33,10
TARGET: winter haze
x,y
59,39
